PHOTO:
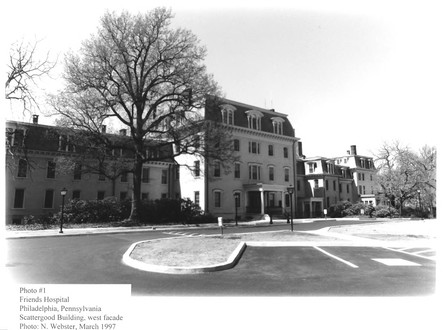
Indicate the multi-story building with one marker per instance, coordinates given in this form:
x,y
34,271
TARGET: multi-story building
x,y
323,182
363,171
265,146
35,172
267,160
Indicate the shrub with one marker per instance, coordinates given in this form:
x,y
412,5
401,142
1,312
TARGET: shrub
x,y
384,211
96,211
339,210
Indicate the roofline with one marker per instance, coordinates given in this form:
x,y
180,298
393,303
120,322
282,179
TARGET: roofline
x,y
254,107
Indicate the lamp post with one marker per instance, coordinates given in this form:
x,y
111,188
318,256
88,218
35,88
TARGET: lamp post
x,y
63,193
290,190
419,198
236,205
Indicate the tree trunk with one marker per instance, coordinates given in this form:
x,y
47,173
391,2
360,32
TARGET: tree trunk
x,y
137,179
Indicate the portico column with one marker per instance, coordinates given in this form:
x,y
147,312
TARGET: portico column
x,y
283,202
262,201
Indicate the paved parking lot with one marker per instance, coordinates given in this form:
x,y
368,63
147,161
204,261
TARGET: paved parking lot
x,y
334,270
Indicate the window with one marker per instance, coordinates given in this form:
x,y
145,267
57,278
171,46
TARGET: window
x,y
298,185
278,123
144,196
363,177
334,185
285,152
254,172
164,178
326,184
217,169
270,150
236,145
312,167
22,168
254,122
271,173
360,190
328,201
197,197
49,199
277,128
124,177
363,190
76,194
340,187
217,199
237,170
254,147
316,183
163,196
197,168
123,195
227,113
77,171
329,168
51,170
101,177
145,174
348,189
286,174
371,177
19,198
100,195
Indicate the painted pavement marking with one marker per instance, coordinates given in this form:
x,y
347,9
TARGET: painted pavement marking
x,y
395,262
335,257
416,254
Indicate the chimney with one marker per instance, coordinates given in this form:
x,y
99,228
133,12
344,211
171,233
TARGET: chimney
x,y
300,153
272,110
35,119
103,128
122,132
348,152
353,150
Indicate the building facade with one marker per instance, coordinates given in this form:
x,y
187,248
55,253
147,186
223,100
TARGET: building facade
x,y
267,161
256,183
36,172
323,182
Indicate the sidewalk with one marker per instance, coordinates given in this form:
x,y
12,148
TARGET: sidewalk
x,y
115,230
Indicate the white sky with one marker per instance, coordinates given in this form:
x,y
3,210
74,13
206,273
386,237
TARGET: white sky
x,y
345,73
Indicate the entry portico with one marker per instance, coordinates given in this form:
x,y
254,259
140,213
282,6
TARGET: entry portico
x,y
264,198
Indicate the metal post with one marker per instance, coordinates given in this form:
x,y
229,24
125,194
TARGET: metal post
x,y
236,201
63,193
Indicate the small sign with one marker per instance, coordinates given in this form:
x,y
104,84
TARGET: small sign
x,y
220,221
325,211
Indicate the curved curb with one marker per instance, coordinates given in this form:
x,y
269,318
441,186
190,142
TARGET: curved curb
x,y
230,263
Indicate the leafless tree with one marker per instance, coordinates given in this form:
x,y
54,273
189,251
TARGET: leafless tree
x,y
404,174
150,78
23,70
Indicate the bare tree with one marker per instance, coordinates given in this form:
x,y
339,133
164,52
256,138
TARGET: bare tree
x,y
24,69
138,71
402,173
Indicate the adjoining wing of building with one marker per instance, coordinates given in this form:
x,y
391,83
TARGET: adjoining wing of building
x,y
37,170
269,160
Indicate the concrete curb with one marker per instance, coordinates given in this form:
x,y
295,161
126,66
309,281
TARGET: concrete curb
x,y
230,263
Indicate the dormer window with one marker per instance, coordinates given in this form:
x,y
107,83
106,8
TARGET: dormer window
x,y
278,124
227,112
254,119
312,167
